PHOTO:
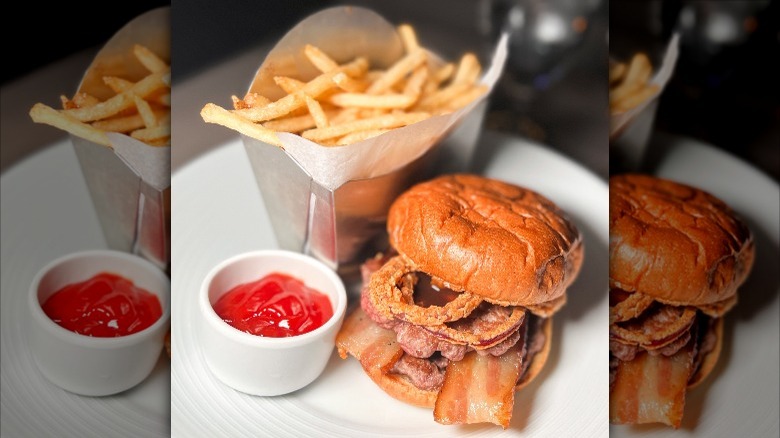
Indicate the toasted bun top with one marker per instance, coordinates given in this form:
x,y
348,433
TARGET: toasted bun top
x,y
676,243
505,243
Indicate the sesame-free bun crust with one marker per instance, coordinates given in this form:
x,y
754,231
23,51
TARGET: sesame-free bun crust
x,y
676,243
505,243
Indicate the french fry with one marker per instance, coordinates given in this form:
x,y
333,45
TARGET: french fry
x,y
41,113
321,61
617,71
80,100
141,109
348,84
291,124
349,103
636,77
162,99
214,114
152,62
120,124
121,101
408,37
468,70
289,85
315,109
145,111
155,133
313,88
629,83
444,95
633,100
415,83
397,71
359,136
467,97
359,100
382,122
116,84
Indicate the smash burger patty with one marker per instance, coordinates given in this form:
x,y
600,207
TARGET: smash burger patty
x,y
465,295
677,257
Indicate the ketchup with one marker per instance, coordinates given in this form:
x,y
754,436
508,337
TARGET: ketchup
x,y
276,306
105,306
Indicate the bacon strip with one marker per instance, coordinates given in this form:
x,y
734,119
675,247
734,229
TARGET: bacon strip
x,y
480,389
375,347
651,389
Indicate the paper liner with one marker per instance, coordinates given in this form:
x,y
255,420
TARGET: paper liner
x,y
129,183
629,132
332,201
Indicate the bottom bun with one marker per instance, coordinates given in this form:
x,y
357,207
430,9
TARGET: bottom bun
x,y
540,358
400,388
710,359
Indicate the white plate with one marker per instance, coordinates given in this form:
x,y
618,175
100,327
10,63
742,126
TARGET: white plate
x,y
742,395
46,213
218,212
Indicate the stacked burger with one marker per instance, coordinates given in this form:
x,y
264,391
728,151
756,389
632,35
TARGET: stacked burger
x,y
677,257
457,315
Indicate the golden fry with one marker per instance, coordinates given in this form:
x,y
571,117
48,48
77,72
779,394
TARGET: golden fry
x,y
41,113
116,84
291,124
315,109
289,85
372,101
313,88
348,103
152,62
629,83
214,114
141,108
323,62
359,136
155,133
408,37
145,111
348,84
397,71
383,122
120,124
121,101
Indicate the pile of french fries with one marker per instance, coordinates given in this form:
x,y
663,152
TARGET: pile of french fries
x,y
140,109
348,103
629,84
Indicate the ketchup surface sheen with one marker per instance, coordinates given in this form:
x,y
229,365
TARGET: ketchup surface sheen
x,y
276,306
105,306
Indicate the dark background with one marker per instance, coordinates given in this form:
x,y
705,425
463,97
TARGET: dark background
x,y
53,30
724,90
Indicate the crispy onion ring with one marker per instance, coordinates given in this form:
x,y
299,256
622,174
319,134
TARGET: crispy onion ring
x,y
394,302
485,339
547,309
630,308
658,329
718,309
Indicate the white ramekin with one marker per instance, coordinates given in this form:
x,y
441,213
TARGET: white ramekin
x,y
262,365
90,365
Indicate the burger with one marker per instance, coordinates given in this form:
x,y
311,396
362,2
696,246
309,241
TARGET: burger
x,y
457,314
676,258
